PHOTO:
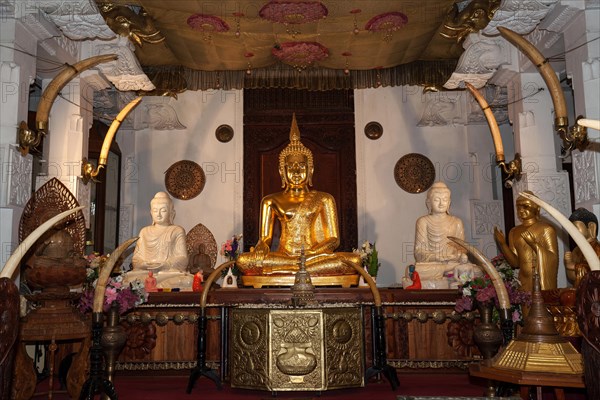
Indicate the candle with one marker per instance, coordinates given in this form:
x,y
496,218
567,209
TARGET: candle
x,y
589,123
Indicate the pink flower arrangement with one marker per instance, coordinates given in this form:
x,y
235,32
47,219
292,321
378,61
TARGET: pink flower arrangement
x,y
293,12
231,249
126,297
482,290
300,54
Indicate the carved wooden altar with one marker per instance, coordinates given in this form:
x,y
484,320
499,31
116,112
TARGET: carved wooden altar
x,y
422,329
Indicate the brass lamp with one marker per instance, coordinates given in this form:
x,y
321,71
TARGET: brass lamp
x,y
88,172
513,168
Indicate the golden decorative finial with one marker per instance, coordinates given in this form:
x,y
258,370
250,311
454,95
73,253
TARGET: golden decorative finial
x,y
295,147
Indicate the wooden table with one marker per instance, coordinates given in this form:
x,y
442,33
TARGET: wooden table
x,y
525,379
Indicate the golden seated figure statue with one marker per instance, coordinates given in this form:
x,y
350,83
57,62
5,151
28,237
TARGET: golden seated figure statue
x,y
308,221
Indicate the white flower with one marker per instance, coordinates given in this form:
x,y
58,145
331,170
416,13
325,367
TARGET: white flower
x,y
466,292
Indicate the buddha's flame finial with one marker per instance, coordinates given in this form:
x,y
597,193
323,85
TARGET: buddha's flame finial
x,y
295,147
294,131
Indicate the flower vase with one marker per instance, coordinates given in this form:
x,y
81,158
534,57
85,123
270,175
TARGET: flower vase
x,y
488,339
487,335
113,339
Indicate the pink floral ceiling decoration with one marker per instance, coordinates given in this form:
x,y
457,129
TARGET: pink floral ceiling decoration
x,y
300,55
388,23
293,12
207,24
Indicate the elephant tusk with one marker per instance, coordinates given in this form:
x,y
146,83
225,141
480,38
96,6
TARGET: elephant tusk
x,y
491,120
87,169
59,82
15,259
105,274
584,245
114,127
561,121
501,292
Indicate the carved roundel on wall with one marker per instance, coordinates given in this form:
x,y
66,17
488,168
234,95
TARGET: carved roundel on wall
x,y
373,130
224,133
184,180
414,173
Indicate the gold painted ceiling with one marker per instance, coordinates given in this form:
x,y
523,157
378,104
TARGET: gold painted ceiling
x,y
343,37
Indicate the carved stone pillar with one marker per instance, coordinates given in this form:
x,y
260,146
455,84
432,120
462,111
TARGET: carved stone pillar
x,y
583,67
17,70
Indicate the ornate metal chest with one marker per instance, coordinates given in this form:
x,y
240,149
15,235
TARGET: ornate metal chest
x,y
296,349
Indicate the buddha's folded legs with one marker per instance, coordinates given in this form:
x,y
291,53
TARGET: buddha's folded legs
x,y
281,263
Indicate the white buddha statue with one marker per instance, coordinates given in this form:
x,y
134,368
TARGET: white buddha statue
x,y
439,262
161,248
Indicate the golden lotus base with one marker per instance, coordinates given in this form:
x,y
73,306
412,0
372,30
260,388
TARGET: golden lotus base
x,y
258,282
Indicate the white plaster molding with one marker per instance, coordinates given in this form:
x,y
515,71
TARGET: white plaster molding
x,y
560,16
125,222
585,181
7,9
503,77
125,73
84,197
526,119
479,61
542,40
591,69
41,29
520,16
78,20
443,108
15,176
552,187
20,177
157,113
497,98
485,215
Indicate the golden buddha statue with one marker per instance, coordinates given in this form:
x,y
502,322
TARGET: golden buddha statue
x,y
575,263
532,239
309,223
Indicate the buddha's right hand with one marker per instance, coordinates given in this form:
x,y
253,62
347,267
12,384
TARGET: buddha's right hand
x,y
499,236
260,251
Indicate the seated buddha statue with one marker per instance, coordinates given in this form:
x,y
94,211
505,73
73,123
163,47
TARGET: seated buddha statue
x,y
161,248
308,221
439,262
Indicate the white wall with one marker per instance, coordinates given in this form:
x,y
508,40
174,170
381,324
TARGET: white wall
x,y
387,214
152,152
